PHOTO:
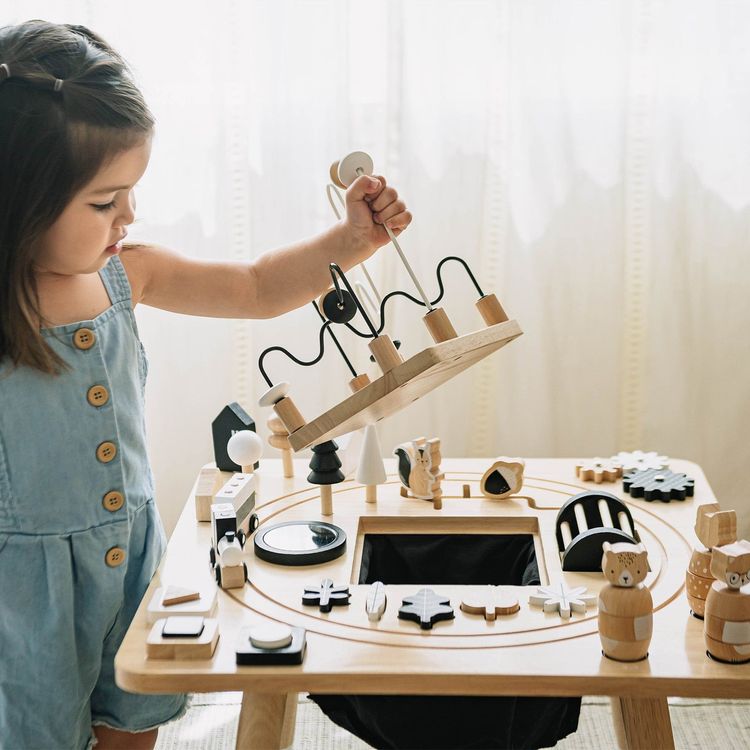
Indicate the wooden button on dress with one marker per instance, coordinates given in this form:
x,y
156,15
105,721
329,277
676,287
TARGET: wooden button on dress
x,y
84,338
97,395
115,556
106,452
113,501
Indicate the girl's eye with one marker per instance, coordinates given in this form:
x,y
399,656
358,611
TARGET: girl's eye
x,y
104,206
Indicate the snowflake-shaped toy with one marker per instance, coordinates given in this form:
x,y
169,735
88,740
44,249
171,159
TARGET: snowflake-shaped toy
x,y
639,460
599,470
562,599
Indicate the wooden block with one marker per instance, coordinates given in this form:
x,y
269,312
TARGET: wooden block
x,y
202,647
178,594
626,629
239,492
625,602
232,576
490,602
467,490
727,651
439,325
491,310
715,527
385,353
209,480
413,378
204,606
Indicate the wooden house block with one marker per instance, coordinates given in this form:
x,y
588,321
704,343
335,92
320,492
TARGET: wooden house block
x,y
200,647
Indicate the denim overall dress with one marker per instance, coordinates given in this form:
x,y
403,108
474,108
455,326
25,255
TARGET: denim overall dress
x,y
80,536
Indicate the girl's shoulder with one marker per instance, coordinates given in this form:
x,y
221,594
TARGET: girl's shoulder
x,y
134,259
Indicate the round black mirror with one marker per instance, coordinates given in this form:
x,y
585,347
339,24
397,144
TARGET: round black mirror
x,y
300,543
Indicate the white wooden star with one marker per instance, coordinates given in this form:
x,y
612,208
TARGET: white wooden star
x,y
562,599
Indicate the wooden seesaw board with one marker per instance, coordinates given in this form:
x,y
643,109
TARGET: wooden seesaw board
x,y
405,383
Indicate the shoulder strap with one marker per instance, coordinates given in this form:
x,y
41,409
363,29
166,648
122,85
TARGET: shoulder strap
x,y
116,280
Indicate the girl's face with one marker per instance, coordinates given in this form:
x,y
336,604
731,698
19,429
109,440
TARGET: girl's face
x,y
90,229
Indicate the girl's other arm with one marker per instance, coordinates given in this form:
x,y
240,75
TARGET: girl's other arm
x,y
277,281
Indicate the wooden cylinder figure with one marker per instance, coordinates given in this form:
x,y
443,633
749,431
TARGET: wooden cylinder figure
x,y
625,604
279,438
727,616
325,470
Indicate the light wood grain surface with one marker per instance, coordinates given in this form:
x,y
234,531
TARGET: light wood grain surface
x,y
528,653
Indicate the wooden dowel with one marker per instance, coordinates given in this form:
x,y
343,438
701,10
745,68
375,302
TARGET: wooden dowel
x,y
439,325
491,310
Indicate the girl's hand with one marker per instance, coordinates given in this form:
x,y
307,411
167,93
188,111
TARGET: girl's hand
x,y
369,205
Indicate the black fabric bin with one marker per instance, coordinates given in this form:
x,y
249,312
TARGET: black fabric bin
x,y
451,722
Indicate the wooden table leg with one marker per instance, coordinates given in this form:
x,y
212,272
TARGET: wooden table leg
x,y
266,721
642,723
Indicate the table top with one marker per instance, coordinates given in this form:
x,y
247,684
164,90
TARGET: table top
x,y
529,653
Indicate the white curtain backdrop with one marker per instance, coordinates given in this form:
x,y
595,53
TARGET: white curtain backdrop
x,y
590,160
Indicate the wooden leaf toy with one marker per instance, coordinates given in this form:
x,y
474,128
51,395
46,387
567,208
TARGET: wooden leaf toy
x,y
426,607
376,601
560,598
326,595
491,602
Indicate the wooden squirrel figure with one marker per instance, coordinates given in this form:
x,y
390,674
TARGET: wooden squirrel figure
x,y
625,604
419,468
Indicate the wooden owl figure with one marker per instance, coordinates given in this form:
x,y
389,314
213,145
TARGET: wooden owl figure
x,y
625,604
726,622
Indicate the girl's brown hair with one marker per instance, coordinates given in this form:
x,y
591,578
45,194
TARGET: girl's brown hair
x,y
54,138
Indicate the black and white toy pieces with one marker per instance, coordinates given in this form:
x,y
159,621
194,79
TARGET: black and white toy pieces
x,y
326,595
658,484
426,607
270,643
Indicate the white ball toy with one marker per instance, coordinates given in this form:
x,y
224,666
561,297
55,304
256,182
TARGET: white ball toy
x,y
245,447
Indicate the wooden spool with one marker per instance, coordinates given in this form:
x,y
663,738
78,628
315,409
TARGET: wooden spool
x,y
289,414
358,383
385,352
439,325
326,500
625,622
491,310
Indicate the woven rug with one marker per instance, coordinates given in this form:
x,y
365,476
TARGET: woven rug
x,y
211,724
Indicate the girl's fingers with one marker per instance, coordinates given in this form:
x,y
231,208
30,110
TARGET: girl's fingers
x,y
399,221
384,199
370,198
389,212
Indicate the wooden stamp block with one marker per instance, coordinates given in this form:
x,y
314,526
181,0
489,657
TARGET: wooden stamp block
x,y
200,647
251,651
204,606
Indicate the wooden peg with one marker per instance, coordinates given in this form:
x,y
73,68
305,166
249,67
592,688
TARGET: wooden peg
x,y
279,438
284,407
385,352
358,383
467,490
439,325
491,310
326,500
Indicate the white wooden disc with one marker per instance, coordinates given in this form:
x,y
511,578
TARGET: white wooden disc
x,y
270,635
245,447
349,164
272,395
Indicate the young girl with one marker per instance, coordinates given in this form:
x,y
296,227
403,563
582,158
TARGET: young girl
x,y
80,536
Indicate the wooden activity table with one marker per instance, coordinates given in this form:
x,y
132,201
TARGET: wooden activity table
x,y
529,653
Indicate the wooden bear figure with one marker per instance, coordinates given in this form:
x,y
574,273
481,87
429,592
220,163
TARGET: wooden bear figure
x,y
727,617
625,604
714,528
